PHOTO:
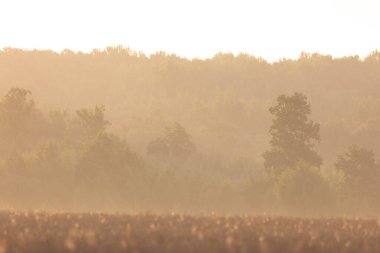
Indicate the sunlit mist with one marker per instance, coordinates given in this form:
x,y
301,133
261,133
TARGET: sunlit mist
x,y
189,126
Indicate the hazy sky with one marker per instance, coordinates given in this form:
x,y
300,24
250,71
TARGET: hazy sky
x,y
196,28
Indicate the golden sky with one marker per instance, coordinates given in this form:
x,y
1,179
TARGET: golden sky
x,y
271,29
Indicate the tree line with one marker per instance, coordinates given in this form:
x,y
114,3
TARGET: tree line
x,y
222,101
73,161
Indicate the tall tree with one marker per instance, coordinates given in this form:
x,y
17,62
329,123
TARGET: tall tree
x,y
293,135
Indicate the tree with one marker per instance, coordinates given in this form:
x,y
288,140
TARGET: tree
x,y
358,165
107,155
361,176
93,121
18,120
15,109
293,135
106,171
176,142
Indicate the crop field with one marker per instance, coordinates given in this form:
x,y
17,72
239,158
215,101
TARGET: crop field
x,y
96,232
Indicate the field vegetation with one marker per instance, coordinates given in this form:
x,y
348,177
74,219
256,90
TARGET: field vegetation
x,y
40,232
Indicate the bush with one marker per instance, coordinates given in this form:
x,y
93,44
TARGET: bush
x,y
303,190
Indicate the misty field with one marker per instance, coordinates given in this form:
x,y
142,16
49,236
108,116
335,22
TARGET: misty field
x,y
96,232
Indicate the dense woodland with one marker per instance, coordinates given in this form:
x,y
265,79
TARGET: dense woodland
x,y
115,129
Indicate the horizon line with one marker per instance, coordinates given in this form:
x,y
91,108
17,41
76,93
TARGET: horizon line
x,y
141,53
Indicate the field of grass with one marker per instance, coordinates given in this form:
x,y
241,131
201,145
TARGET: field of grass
x,y
95,232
